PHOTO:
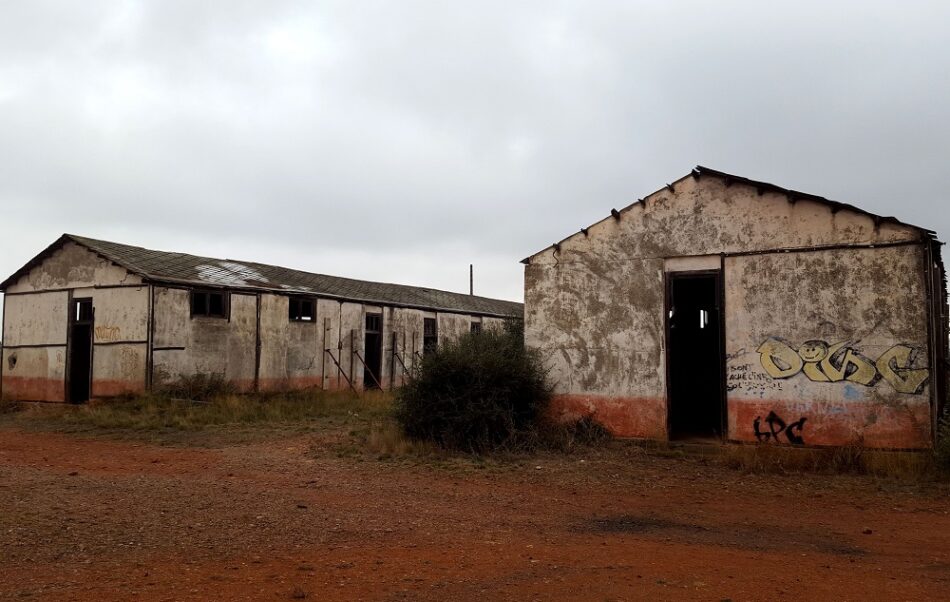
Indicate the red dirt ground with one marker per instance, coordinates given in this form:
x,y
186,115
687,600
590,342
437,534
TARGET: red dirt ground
x,y
95,519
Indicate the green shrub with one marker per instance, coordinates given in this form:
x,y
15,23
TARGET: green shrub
x,y
476,393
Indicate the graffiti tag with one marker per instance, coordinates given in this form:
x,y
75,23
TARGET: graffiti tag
x,y
107,333
821,362
776,426
745,377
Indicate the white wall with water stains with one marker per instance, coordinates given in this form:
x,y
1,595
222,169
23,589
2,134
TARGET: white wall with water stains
x,y
595,308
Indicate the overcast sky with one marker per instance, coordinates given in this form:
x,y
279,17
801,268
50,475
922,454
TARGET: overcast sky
x,y
401,141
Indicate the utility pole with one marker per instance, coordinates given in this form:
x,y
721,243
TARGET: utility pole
x,y
471,279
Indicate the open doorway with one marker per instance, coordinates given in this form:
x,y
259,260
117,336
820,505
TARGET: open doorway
x,y
373,344
80,350
694,355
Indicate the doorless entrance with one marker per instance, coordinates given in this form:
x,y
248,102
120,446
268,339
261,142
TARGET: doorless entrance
x,y
373,344
694,355
80,350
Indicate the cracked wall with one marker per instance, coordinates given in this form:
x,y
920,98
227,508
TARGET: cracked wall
x,y
595,305
36,323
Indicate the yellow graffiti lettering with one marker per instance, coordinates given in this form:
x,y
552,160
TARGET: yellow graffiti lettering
x,y
894,365
863,372
813,372
107,333
839,362
779,360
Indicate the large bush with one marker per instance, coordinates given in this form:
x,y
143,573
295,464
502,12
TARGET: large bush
x,y
478,392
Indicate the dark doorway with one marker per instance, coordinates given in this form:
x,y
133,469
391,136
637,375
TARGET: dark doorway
x,y
694,336
374,350
80,350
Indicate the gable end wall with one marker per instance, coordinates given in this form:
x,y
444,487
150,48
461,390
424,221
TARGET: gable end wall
x,y
595,307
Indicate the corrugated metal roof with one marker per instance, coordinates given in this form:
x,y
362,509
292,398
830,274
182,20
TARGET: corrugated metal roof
x,y
193,270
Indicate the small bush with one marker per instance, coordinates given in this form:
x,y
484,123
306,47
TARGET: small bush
x,y
479,392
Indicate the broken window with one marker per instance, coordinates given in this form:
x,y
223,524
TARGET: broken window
x,y
430,336
374,323
302,309
83,310
209,303
476,327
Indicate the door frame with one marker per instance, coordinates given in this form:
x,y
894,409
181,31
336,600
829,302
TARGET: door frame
x,y
668,278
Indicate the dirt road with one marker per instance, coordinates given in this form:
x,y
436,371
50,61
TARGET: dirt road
x,y
99,519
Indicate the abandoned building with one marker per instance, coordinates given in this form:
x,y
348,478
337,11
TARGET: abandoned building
x,y
725,308
88,318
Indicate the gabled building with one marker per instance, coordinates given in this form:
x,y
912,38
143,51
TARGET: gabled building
x,y
726,308
89,318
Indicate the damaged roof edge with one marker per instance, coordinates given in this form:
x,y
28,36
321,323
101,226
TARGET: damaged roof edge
x,y
805,196
614,214
700,170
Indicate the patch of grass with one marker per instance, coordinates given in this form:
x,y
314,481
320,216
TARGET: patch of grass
x,y
162,413
201,386
8,406
570,436
386,440
846,459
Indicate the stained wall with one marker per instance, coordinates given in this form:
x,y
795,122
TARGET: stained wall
x,y
36,323
185,345
595,305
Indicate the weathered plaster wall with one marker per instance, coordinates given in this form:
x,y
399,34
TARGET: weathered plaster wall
x,y
202,345
34,374
36,319
408,325
493,323
594,304
352,322
291,352
41,318
451,326
120,339
599,325
73,266
805,338
328,318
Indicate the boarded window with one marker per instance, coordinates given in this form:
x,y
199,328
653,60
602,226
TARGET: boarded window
x,y
213,304
430,336
302,309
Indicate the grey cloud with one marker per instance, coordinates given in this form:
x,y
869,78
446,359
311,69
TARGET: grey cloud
x,y
401,141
